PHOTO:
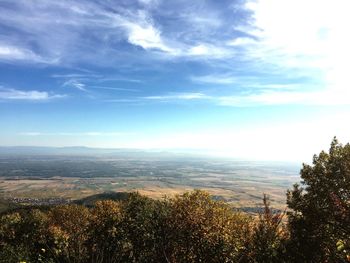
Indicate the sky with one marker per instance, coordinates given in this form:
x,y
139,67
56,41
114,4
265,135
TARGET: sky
x,y
263,79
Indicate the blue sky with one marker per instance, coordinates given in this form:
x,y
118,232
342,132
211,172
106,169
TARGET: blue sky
x,y
264,79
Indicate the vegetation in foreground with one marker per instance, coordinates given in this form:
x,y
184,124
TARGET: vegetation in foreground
x,y
193,227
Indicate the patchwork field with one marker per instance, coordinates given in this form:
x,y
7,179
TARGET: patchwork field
x,y
240,183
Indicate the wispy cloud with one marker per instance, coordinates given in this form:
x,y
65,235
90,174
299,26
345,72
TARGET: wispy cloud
x,y
241,42
251,37
221,79
8,52
169,97
59,32
208,51
247,84
75,84
73,134
12,53
86,82
113,88
149,3
315,44
147,37
285,98
283,59
29,95
179,96
118,78
75,76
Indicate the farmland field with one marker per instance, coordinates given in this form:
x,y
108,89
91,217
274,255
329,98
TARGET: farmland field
x,y
240,183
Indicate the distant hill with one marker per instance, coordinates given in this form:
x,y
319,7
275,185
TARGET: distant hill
x,y
91,200
76,150
87,151
3,205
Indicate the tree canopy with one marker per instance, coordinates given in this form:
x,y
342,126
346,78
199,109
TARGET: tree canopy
x,y
319,220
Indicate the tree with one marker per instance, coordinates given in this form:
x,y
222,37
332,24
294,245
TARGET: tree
x,y
68,234
204,230
107,242
319,220
267,241
143,222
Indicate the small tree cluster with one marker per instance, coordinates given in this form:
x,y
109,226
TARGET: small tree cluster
x,y
188,228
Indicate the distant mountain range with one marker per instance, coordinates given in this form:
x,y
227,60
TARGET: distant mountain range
x,y
76,150
87,151
179,154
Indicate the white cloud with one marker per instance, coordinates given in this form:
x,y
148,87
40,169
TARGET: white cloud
x,y
271,97
73,134
30,133
179,96
75,75
147,37
140,30
149,3
113,88
302,38
222,79
31,95
274,86
204,20
58,32
75,84
208,50
241,41
8,52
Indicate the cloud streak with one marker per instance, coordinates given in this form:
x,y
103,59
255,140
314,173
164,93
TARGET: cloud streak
x,y
220,79
8,52
177,97
27,95
58,32
74,134
265,98
75,84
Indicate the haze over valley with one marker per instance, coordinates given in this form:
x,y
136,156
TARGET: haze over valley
x,y
70,174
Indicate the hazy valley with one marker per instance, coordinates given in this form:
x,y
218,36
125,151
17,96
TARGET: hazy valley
x,y
71,174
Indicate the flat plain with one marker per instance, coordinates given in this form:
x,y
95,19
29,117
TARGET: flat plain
x,y
240,183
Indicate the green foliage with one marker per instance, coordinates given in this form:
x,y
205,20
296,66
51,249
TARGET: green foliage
x,y
107,242
203,230
320,217
92,199
267,244
188,228
68,233
143,224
